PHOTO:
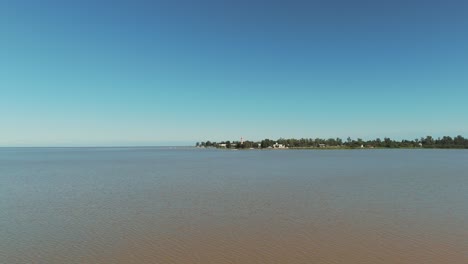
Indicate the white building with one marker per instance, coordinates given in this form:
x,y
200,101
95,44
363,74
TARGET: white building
x,y
279,146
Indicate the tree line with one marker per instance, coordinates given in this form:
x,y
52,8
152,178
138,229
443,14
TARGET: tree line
x,y
446,142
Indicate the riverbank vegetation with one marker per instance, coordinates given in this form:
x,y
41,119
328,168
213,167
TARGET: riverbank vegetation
x,y
445,142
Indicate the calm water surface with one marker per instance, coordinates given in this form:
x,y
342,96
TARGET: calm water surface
x,y
182,205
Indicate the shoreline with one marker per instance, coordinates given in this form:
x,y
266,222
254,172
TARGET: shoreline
x,y
328,148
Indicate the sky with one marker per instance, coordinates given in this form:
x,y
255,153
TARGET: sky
x,y
102,73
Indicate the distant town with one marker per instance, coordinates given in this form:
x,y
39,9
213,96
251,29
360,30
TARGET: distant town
x,y
446,142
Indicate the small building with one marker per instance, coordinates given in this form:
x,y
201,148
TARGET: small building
x,y
278,146
322,145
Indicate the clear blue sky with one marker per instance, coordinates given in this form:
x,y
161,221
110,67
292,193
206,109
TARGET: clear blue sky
x,y
176,72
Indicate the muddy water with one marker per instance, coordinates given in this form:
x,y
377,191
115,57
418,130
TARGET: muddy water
x,y
165,205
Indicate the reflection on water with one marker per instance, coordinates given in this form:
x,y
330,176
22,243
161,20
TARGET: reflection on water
x,y
162,205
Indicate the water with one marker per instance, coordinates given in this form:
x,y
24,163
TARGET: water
x,y
183,205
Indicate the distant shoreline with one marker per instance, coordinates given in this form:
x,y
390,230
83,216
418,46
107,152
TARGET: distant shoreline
x,y
323,149
428,142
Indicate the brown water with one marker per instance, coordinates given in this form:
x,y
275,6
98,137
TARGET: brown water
x,y
160,205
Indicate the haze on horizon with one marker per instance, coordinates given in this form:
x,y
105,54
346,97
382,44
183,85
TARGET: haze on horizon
x,y
81,73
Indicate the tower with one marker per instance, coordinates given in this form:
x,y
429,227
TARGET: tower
x,y
242,141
